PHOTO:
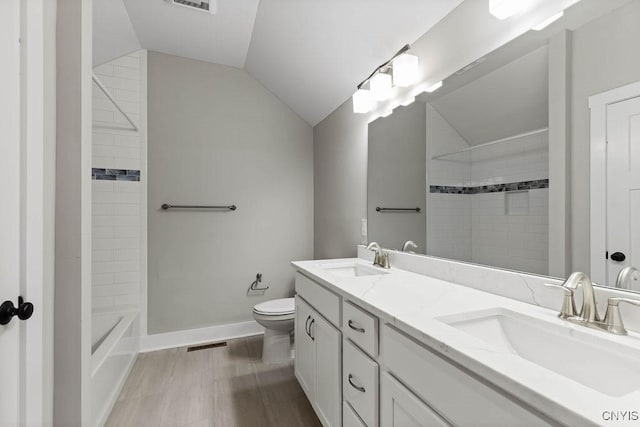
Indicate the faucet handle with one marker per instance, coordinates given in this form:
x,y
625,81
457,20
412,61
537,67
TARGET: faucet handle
x,y
613,318
568,308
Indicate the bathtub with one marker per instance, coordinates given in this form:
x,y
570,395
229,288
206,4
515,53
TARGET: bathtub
x,y
114,346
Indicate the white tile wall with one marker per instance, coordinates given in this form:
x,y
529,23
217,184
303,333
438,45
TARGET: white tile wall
x,y
118,237
478,227
518,242
449,226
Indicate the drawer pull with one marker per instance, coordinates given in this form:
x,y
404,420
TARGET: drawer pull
x,y
357,387
313,338
355,328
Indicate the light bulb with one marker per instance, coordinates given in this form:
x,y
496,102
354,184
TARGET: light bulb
x,y
380,86
405,70
362,101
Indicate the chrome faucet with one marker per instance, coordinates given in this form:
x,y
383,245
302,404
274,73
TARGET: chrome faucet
x,y
625,277
588,315
381,259
589,312
409,246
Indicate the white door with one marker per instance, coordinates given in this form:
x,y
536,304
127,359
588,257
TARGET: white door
x,y
22,392
10,210
623,187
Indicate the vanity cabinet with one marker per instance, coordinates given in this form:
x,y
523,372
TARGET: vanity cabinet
x,y
360,383
401,408
358,371
461,398
318,364
305,354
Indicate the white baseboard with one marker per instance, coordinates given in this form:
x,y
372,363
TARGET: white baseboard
x,y
199,336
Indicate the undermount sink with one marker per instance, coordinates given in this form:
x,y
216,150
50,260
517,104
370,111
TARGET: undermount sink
x,y
600,364
352,270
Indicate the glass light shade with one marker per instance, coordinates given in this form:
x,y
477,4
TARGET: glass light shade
x,y
362,101
503,9
405,70
380,86
544,24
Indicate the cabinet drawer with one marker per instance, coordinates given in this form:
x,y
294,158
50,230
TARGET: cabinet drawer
x,y
324,301
459,397
349,418
360,383
400,407
361,327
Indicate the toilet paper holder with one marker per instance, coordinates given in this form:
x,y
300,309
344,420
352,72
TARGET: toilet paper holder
x,y
255,285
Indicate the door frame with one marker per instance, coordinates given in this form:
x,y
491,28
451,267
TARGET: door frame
x,y
598,180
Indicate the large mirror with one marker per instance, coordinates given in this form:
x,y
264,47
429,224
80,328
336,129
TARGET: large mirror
x,y
497,166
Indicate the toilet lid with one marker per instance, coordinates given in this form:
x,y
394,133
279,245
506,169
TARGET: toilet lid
x,y
276,306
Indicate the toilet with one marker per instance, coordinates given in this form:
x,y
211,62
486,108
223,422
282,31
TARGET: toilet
x,y
277,316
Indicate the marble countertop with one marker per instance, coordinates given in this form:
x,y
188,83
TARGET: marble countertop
x,y
413,303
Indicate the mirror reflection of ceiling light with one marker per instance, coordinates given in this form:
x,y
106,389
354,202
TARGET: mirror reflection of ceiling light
x,y
503,9
434,87
544,24
408,101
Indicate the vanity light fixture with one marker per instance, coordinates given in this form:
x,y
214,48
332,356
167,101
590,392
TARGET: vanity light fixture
x,y
405,70
544,24
362,101
503,9
380,86
401,71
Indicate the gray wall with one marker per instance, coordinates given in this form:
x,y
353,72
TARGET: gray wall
x,y
396,177
340,183
605,56
216,136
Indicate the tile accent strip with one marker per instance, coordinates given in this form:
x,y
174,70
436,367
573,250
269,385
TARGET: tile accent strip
x,y
115,174
493,188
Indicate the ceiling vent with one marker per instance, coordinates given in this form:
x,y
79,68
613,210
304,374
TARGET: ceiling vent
x,y
209,6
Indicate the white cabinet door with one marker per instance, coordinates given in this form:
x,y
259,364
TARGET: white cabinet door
x,y
328,341
305,359
349,417
400,408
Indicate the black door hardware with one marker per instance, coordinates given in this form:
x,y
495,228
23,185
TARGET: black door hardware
x,y
618,256
8,311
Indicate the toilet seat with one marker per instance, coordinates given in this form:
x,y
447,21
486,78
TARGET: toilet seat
x,y
283,307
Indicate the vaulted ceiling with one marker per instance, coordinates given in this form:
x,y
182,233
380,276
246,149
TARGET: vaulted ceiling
x,y
309,53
